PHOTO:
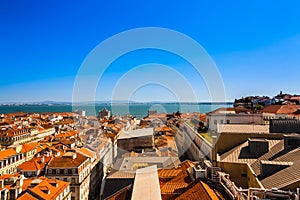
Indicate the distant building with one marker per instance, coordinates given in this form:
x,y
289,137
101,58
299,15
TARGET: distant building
x,y
285,126
81,113
281,109
15,136
152,112
229,116
104,114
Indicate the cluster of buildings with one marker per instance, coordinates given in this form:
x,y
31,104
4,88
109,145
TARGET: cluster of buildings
x,y
44,156
269,119
162,156
259,150
255,103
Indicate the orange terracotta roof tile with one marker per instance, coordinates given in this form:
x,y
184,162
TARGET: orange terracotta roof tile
x,y
46,188
66,161
199,190
27,196
30,166
85,152
7,153
28,147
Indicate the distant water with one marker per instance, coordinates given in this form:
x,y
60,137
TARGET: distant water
x,y
136,109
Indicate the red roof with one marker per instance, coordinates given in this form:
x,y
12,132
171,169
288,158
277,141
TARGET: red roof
x,y
7,153
281,109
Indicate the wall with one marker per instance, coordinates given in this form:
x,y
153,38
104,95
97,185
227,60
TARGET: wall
x,y
232,119
237,171
252,179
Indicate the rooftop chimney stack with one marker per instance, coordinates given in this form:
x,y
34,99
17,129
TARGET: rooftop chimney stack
x,y
214,151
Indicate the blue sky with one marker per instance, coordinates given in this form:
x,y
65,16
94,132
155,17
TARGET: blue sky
x,y
255,45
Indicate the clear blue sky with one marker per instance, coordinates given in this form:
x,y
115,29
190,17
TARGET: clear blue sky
x,y
255,44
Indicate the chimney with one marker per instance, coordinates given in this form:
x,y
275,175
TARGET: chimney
x,y
214,151
198,172
268,168
43,159
19,181
1,183
258,147
291,141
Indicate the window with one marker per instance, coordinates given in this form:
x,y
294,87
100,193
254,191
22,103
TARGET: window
x,y
228,121
215,122
69,171
222,121
66,179
61,171
72,189
73,180
53,171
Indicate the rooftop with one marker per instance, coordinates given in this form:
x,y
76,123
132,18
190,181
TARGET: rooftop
x,y
277,154
67,161
146,184
243,128
7,153
44,188
176,183
136,133
134,163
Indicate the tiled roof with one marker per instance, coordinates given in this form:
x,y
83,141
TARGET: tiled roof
x,y
28,147
223,110
241,154
47,188
243,128
7,153
282,179
121,175
30,166
168,173
177,184
27,196
198,190
281,109
85,152
66,161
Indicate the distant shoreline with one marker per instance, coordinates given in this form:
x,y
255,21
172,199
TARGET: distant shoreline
x,y
136,109
110,103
